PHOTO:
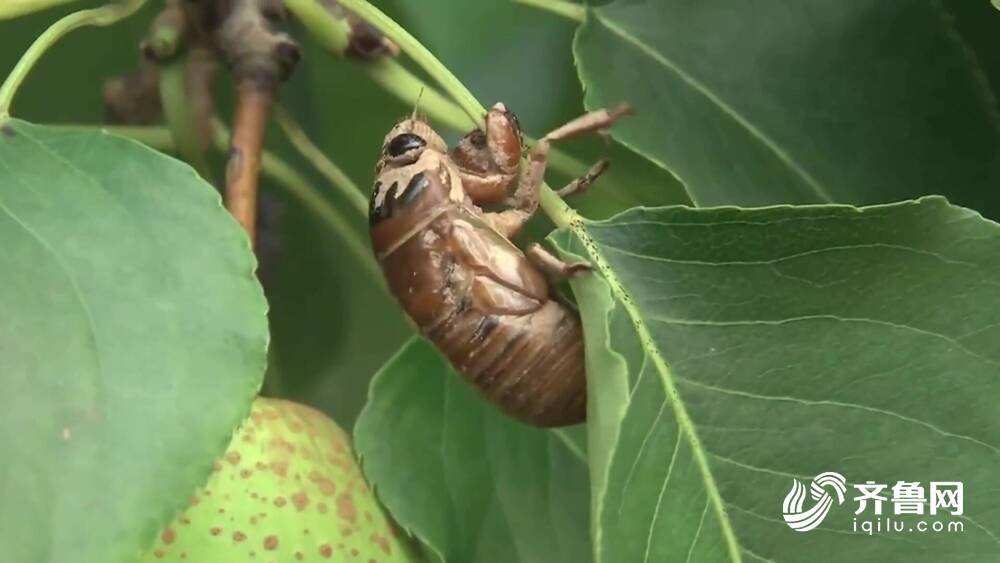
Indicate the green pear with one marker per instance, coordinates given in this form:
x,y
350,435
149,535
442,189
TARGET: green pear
x,y
288,489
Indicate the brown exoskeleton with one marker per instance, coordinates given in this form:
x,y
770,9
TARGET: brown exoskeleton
x,y
486,305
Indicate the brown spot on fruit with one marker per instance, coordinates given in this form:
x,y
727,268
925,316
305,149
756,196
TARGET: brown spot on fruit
x,y
283,445
300,500
322,489
382,542
280,468
8,131
345,508
216,466
195,499
159,553
326,486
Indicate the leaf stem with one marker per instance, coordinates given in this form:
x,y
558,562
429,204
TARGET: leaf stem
x,y
557,210
105,15
400,82
337,177
178,115
10,9
570,10
404,85
420,55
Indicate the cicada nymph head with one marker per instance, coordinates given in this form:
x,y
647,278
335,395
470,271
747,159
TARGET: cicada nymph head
x,y
414,180
407,140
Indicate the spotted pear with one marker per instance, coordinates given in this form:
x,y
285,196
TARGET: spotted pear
x,y
287,489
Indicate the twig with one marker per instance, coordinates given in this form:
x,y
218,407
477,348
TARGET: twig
x,y
253,104
260,59
134,99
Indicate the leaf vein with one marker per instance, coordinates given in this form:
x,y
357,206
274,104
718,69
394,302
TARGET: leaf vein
x,y
811,402
726,109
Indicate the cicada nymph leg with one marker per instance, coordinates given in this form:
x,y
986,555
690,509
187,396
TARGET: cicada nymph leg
x,y
553,266
581,184
524,202
488,159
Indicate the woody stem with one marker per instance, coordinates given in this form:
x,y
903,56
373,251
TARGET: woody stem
x,y
253,105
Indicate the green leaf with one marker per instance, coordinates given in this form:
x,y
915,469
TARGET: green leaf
x,y
804,102
471,483
735,350
133,339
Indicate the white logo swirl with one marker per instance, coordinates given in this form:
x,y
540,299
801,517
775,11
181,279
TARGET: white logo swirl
x,y
792,507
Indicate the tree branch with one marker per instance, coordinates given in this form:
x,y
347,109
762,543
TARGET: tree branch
x,y
253,105
259,59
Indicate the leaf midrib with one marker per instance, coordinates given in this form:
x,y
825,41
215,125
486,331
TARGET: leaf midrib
x,y
684,421
716,101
